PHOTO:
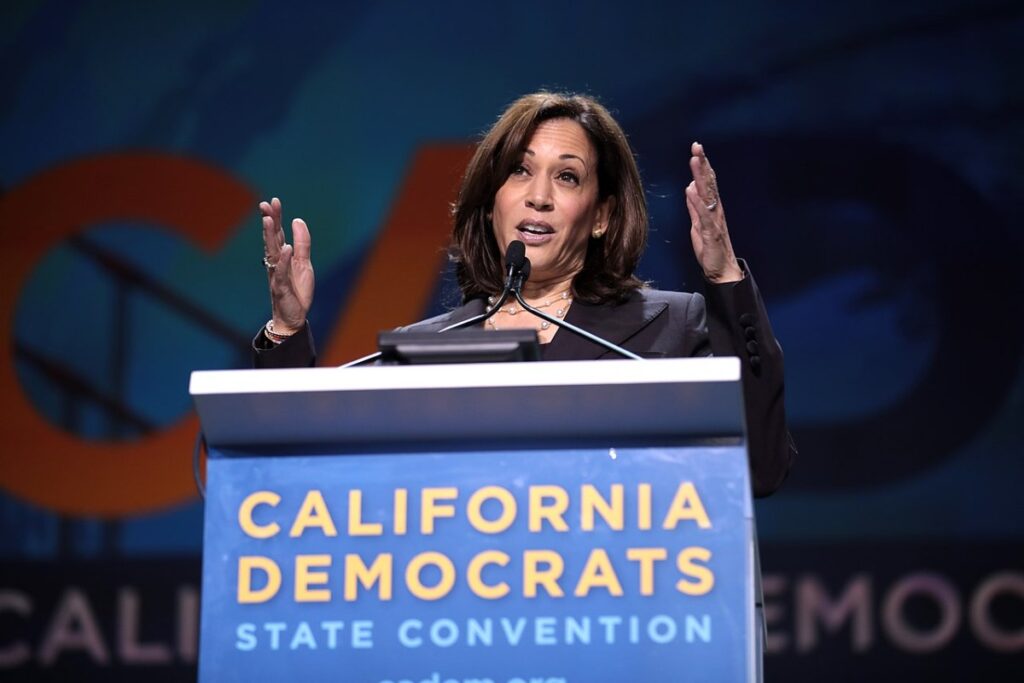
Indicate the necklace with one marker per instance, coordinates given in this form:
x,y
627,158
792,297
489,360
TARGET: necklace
x,y
563,299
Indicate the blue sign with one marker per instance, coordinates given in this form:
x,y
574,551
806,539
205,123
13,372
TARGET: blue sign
x,y
537,565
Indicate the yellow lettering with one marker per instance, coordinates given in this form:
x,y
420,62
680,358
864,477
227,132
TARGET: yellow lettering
x,y
686,505
246,565
304,578
598,573
431,510
414,583
379,572
534,576
356,525
553,513
704,577
476,503
592,501
313,513
643,507
474,575
646,557
401,511
251,528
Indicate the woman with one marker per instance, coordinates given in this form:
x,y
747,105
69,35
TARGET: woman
x,y
557,173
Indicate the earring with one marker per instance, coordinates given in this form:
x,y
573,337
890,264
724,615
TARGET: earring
x,y
597,233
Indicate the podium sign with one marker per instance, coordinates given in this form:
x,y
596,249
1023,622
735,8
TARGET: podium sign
x,y
481,559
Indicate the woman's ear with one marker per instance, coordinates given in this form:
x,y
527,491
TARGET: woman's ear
x,y
604,214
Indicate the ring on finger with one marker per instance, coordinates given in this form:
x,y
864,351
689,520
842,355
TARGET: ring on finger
x,y
712,205
268,264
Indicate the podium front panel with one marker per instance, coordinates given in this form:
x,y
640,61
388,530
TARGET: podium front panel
x,y
550,564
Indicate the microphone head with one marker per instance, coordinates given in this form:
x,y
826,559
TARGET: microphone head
x,y
515,254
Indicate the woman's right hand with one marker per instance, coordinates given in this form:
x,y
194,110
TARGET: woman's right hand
x,y
290,273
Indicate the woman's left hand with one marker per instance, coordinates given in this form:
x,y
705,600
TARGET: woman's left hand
x,y
708,230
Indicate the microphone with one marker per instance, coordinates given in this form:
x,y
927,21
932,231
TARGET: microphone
x,y
515,262
517,282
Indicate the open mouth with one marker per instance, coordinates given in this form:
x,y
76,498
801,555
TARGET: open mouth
x,y
535,228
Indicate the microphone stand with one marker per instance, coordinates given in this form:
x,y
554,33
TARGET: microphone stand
x,y
518,273
572,328
476,319
518,270
513,270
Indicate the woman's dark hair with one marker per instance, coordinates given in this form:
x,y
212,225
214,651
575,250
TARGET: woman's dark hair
x,y
607,273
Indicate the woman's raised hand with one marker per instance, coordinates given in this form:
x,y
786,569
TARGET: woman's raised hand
x,y
289,270
708,230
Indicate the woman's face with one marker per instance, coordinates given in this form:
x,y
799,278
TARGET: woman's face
x,y
550,201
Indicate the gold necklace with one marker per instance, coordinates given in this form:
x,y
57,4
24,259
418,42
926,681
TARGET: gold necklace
x,y
564,299
562,296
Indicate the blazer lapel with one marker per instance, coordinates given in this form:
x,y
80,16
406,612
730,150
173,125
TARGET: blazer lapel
x,y
457,315
614,322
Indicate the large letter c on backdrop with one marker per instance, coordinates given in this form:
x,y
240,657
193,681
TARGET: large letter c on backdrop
x,y
40,463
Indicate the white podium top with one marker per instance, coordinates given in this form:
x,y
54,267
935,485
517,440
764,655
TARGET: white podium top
x,y
652,399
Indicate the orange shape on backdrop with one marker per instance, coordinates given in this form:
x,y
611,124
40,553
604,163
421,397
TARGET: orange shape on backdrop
x,y
65,473
400,271
41,463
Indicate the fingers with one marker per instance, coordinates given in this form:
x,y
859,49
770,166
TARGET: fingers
x,y
301,239
691,204
708,230
275,206
271,245
700,213
273,236
704,176
280,276
282,273
273,229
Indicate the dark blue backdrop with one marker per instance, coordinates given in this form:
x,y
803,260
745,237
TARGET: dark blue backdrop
x,y
869,156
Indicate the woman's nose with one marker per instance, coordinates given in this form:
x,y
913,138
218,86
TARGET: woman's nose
x,y
538,197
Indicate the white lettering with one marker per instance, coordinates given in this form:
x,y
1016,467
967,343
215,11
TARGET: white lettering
x,y
981,619
906,636
73,627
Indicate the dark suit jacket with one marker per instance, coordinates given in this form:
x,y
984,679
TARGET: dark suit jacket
x,y
656,324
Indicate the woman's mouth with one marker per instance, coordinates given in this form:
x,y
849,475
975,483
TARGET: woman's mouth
x,y
534,232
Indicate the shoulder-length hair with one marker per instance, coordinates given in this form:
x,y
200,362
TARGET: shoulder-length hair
x,y
607,273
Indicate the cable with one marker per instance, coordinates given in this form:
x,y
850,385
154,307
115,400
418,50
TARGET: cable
x,y
196,452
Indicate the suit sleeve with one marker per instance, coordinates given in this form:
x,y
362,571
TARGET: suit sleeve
x,y
297,351
737,325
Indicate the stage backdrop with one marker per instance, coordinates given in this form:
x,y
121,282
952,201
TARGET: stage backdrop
x,y
869,158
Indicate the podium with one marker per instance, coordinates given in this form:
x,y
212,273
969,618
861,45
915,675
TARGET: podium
x,y
581,521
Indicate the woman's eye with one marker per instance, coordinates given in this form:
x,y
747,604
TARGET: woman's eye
x,y
519,169
569,177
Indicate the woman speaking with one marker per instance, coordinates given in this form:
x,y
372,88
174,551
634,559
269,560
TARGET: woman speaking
x,y
556,173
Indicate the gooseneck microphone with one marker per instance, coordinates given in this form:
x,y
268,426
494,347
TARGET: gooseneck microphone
x,y
515,261
517,268
517,285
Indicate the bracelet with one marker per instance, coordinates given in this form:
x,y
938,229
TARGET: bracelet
x,y
275,337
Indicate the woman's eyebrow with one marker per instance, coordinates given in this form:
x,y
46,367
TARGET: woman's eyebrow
x,y
561,156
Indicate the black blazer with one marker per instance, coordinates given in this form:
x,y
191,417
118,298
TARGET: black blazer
x,y
654,324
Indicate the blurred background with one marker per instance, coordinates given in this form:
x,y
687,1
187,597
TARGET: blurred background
x,y
869,156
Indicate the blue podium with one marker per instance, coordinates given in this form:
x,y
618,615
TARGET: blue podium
x,y
511,522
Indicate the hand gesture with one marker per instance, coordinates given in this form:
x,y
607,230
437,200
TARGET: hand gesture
x,y
289,270
708,230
